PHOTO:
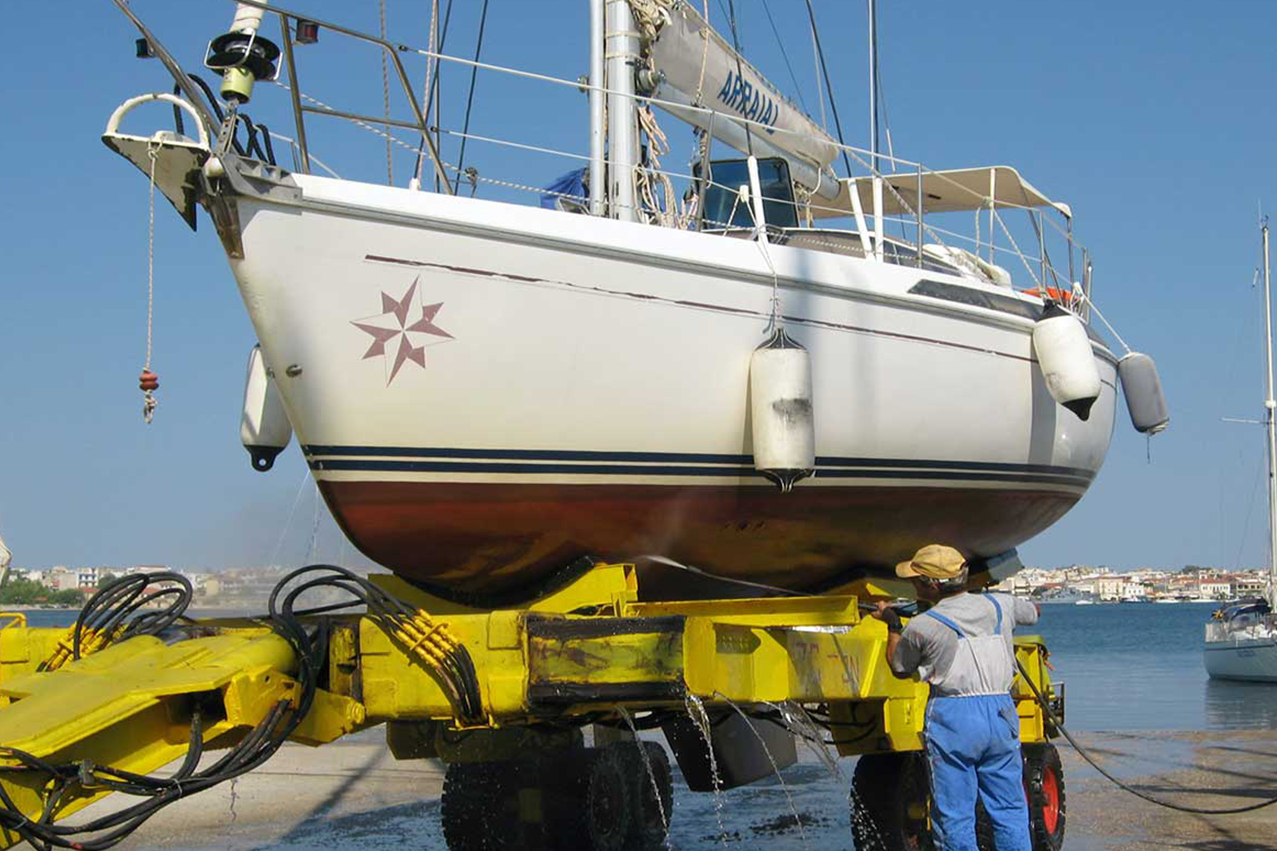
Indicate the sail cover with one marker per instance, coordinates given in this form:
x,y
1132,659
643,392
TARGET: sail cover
x,y
734,89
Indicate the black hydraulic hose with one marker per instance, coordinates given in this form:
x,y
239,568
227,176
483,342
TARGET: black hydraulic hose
x,y
1046,707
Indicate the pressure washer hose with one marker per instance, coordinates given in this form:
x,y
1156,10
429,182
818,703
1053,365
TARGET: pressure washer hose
x,y
1046,707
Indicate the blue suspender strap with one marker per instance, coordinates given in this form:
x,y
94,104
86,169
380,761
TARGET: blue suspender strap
x,y
953,626
997,629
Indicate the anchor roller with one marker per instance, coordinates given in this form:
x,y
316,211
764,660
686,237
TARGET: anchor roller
x,y
1067,363
264,428
783,428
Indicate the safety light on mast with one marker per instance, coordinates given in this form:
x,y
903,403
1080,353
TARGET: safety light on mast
x,y
242,56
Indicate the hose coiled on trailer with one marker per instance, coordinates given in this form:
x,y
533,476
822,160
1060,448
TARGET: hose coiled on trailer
x,y
103,620
413,629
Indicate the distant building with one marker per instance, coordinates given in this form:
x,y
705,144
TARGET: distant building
x,y
1216,589
1249,585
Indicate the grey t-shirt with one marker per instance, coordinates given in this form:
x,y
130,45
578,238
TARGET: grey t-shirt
x,y
928,647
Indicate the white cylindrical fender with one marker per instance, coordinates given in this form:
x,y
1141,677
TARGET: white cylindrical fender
x,y
1142,387
264,428
1067,362
783,426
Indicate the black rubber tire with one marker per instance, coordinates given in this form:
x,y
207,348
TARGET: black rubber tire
x,y
592,809
885,820
650,808
479,807
1044,786
888,802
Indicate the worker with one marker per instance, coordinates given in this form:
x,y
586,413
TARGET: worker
x,y
963,647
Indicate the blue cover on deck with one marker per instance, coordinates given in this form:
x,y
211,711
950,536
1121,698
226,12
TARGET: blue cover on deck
x,y
572,183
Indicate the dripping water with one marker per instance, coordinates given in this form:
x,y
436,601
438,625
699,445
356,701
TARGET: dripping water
x,y
798,722
651,773
798,820
700,720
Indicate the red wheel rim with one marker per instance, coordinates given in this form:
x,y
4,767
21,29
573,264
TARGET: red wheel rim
x,y
1050,801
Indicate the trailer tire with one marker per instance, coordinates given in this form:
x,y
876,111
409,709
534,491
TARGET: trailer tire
x,y
474,808
650,808
889,799
881,819
593,811
1044,787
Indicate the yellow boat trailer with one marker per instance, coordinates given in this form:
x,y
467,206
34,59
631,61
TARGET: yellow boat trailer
x,y
591,653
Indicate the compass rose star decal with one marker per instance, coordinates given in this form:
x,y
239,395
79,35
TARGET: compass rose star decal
x,y
397,336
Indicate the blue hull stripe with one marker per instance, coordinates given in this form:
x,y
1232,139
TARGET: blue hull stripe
x,y
680,463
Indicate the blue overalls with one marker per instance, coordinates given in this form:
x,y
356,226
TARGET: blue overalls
x,y
973,744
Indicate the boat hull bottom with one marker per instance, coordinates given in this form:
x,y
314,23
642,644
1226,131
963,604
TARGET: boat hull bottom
x,y
514,540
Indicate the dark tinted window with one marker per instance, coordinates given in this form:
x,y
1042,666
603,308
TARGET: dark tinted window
x,y
722,202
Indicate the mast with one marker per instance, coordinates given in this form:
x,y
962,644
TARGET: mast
x,y
1269,406
622,56
598,174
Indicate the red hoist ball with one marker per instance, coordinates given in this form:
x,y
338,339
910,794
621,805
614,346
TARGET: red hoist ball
x,y
148,380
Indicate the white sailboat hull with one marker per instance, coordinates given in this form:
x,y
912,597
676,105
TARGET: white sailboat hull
x,y
485,392
1241,658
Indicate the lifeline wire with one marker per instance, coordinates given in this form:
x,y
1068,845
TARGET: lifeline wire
x,y
1079,294
1137,793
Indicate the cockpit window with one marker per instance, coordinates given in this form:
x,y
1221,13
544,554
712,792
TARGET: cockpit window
x,y
723,207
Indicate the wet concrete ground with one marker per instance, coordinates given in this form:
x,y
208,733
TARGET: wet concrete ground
x,y
352,796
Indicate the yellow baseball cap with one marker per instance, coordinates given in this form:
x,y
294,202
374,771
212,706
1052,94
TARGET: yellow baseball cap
x,y
934,561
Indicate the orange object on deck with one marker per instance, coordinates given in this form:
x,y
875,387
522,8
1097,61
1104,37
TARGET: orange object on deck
x,y
1053,293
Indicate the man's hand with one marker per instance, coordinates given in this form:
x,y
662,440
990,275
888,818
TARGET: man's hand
x,y
889,616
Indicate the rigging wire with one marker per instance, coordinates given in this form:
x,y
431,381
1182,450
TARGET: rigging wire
x,y
873,76
1250,511
829,87
474,71
385,91
740,71
433,97
784,55
1247,333
820,85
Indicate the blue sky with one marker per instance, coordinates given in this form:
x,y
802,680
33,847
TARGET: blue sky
x,y
1155,121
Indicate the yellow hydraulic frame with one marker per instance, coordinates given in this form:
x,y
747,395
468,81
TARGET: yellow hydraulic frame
x,y
589,648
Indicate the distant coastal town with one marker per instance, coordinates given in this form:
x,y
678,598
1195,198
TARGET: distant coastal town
x,y
70,586
1086,584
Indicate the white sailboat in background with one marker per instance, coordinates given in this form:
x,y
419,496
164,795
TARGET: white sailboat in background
x,y
487,392
1241,639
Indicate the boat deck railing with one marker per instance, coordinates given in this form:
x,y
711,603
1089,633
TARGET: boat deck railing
x,y
1252,628
662,203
